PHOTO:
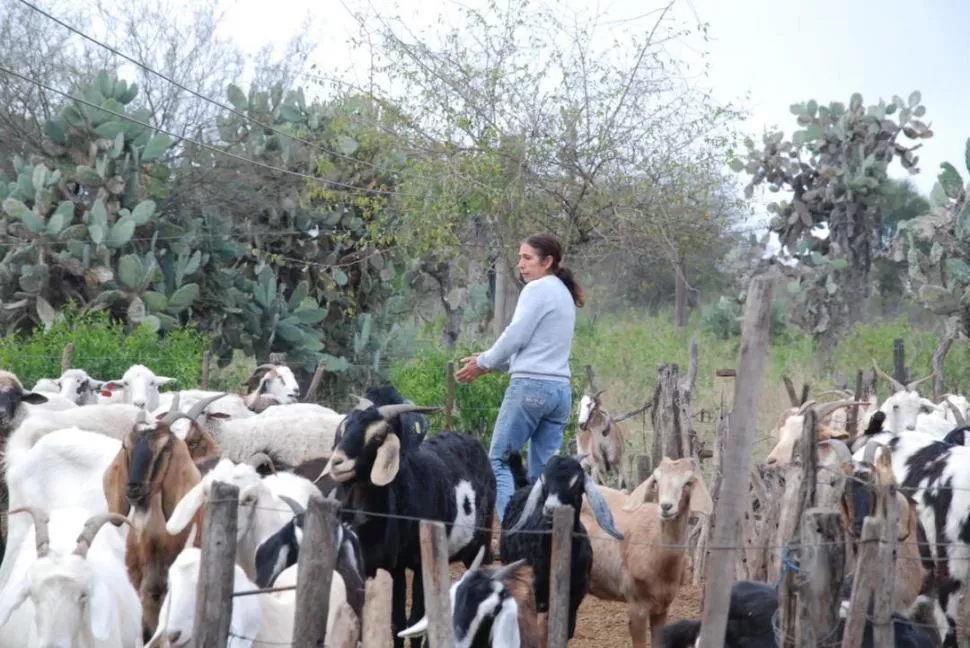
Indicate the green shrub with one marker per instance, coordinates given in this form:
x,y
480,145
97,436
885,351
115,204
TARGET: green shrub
x,y
104,349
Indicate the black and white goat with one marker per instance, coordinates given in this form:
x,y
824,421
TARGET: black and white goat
x,y
282,550
491,607
385,469
562,482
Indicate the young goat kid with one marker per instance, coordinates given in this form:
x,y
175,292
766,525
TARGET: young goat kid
x,y
601,437
384,468
562,482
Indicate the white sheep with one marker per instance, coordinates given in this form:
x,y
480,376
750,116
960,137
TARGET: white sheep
x,y
46,386
228,406
298,409
78,387
139,386
70,586
259,620
113,420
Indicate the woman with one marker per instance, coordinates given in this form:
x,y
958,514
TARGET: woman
x,y
534,348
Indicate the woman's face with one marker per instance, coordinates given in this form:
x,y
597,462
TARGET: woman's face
x,y
531,265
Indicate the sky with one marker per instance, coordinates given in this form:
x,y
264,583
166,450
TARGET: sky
x,y
764,55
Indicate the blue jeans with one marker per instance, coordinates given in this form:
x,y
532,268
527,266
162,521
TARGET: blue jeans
x,y
535,411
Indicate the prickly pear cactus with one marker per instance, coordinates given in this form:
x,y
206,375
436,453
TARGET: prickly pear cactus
x,y
81,225
936,247
834,168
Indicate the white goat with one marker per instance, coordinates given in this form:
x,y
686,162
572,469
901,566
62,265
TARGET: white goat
x,y
903,408
139,386
271,384
71,588
78,387
259,620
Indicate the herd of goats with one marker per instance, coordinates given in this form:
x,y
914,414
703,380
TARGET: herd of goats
x,y
107,481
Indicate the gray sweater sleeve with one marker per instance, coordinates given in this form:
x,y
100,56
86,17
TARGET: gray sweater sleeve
x,y
528,311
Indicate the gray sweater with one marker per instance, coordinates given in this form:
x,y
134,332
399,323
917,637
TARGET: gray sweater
x,y
537,342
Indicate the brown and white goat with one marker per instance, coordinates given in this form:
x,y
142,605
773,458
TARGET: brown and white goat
x,y
602,439
645,568
153,470
789,429
271,384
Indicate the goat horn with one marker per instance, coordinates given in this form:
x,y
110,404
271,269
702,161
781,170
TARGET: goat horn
x,y
821,411
258,459
804,407
197,409
869,455
912,385
266,366
41,520
362,403
91,528
503,572
956,412
478,559
842,452
841,392
293,504
897,386
388,412
170,416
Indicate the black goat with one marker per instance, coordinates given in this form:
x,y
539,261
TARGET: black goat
x,y
562,482
385,469
282,550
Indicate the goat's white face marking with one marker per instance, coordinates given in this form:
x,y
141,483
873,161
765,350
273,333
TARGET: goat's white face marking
x,y
282,384
462,530
552,501
585,409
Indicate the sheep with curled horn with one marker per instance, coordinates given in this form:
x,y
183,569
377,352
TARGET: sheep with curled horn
x,y
789,431
384,467
152,472
562,482
76,583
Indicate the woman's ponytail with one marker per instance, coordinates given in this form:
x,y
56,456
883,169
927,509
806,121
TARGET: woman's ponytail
x,y
566,276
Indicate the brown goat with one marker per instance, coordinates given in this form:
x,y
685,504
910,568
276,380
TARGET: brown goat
x,y
645,568
602,439
152,471
789,429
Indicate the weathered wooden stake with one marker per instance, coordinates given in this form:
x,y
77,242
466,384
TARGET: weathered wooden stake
x,y
66,356
822,569
206,367
213,611
562,548
346,627
643,469
311,390
437,583
449,395
899,360
866,577
734,486
318,555
376,624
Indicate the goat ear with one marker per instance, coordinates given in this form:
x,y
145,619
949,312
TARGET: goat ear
x,y
112,385
33,398
601,510
641,494
162,380
700,497
113,484
101,611
387,462
417,630
180,477
185,509
505,628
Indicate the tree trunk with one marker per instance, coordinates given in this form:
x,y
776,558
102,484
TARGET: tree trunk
x,y
506,295
680,293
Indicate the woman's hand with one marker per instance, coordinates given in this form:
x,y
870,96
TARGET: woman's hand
x,y
469,370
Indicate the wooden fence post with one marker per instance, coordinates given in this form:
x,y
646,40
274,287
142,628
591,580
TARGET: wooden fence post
x,y
376,624
311,390
318,555
643,469
562,547
213,610
206,367
734,486
437,583
822,569
449,395
899,360
864,580
66,356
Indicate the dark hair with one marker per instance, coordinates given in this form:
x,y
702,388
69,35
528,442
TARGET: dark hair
x,y
548,245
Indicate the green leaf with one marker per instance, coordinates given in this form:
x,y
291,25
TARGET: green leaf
x,y
310,315
57,222
120,233
156,146
152,323
39,178
339,276
131,271
914,98
119,145
291,114
183,298
736,165
97,233
73,232
299,293
55,132
839,264
794,287
938,195
814,132
87,176
950,180
111,129
966,154
155,301
136,310
32,222
334,363
143,212
193,263
289,332
237,97
347,145
14,208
